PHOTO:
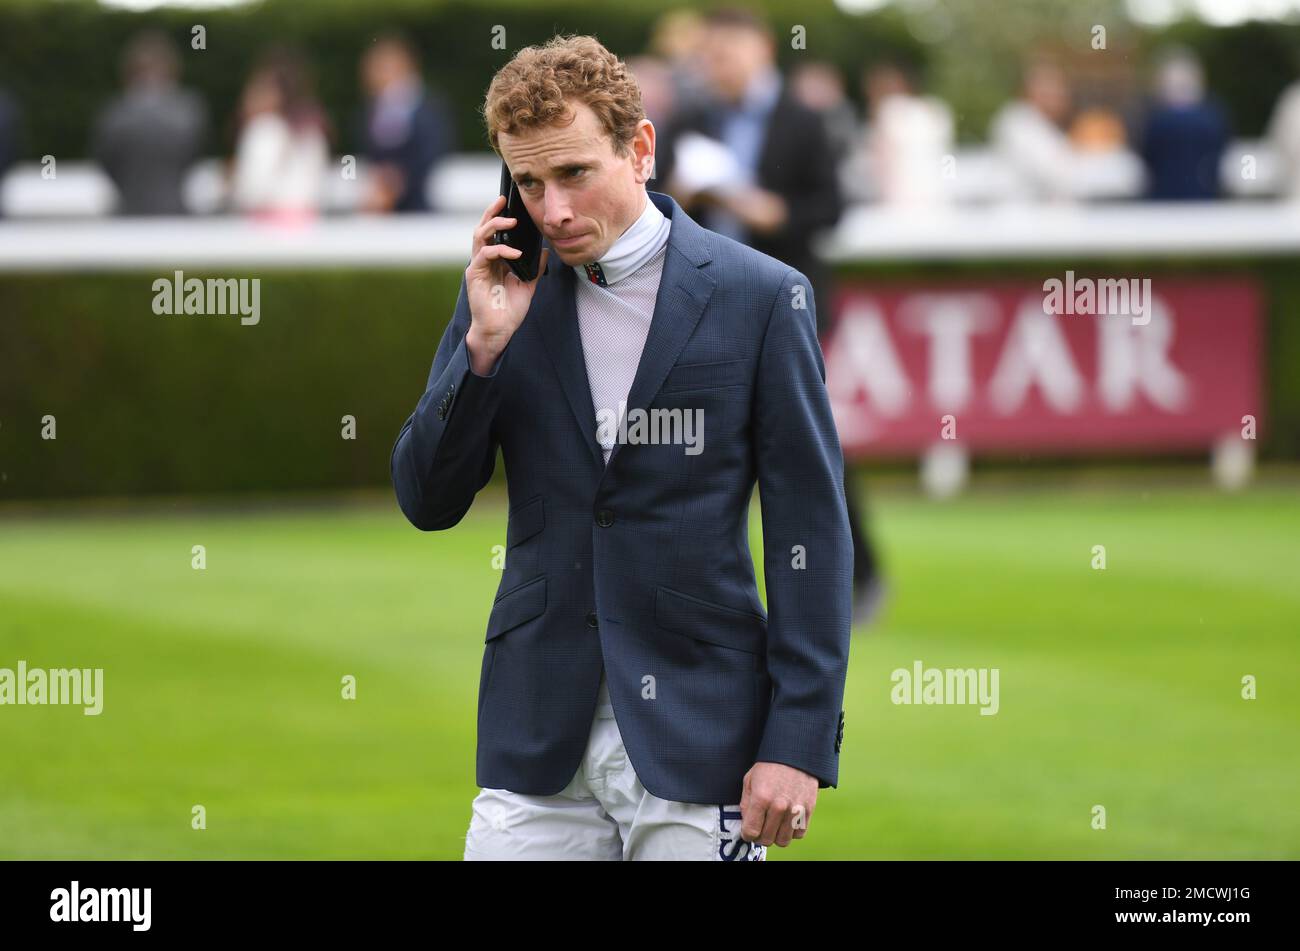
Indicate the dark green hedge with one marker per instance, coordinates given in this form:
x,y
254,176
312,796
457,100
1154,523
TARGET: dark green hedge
x,y
159,404
149,403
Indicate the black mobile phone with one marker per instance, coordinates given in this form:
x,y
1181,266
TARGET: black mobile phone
x,y
524,235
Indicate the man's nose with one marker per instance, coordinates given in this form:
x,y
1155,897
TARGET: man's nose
x,y
555,209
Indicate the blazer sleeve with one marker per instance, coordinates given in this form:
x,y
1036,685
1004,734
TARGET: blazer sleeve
x,y
446,450
808,550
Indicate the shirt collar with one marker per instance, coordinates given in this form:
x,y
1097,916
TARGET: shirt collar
x,y
631,250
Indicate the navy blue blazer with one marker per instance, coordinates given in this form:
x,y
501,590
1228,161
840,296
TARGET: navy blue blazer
x,y
644,564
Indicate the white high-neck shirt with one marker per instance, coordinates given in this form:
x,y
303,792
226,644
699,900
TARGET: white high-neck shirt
x,y
614,321
633,248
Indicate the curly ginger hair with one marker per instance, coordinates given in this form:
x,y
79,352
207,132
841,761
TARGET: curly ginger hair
x,y
533,90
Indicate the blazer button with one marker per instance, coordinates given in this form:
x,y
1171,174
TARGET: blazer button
x,y
604,518
592,620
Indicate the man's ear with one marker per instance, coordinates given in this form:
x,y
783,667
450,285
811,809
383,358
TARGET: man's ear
x,y
643,148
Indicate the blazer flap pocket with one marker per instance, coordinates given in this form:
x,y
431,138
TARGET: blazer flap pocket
x,y
521,603
715,623
524,521
703,376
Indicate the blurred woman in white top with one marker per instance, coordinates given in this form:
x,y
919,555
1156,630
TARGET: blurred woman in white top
x,y
1029,136
899,158
282,152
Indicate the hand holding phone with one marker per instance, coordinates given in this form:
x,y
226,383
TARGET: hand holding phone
x,y
524,236
498,297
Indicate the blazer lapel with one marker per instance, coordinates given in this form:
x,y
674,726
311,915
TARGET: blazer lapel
x,y
684,290
558,327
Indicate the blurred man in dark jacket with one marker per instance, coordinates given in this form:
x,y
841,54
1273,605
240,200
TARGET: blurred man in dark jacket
x,y
406,128
1186,134
148,137
787,189
9,145
776,191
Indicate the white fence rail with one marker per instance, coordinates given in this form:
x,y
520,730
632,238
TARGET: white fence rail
x,y
866,233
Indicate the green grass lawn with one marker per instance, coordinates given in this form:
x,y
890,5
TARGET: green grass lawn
x,y
1119,688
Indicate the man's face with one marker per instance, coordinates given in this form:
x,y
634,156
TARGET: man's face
x,y
383,66
581,195
1046,89
734,54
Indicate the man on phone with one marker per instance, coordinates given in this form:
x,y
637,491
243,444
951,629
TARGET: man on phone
x,y
636,701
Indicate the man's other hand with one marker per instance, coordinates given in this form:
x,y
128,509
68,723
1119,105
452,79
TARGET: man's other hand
x,y
776,804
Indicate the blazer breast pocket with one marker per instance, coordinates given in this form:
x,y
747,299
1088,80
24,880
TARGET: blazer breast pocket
x,y
706,376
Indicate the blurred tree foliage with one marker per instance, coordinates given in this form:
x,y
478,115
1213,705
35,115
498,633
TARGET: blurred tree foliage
x,y
59,58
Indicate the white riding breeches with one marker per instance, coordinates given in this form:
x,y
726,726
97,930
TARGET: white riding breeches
x,y
604,813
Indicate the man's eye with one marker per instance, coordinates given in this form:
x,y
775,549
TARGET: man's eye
x,y
573,172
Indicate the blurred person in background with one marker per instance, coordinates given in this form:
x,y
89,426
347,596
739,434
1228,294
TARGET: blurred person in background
x,y
148,137
282,152
1028,135
406,129
1284,135
658,88
1097,129
677,38
1107,167
820,86
1185,134
899,157
773,185
9,122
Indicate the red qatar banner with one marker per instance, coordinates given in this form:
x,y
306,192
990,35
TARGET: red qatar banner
x,y
1075,363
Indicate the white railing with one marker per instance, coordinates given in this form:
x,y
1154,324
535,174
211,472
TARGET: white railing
x,y
458,184
867,233
68,237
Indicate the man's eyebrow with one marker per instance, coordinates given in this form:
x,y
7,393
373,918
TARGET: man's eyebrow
x,y
577,163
